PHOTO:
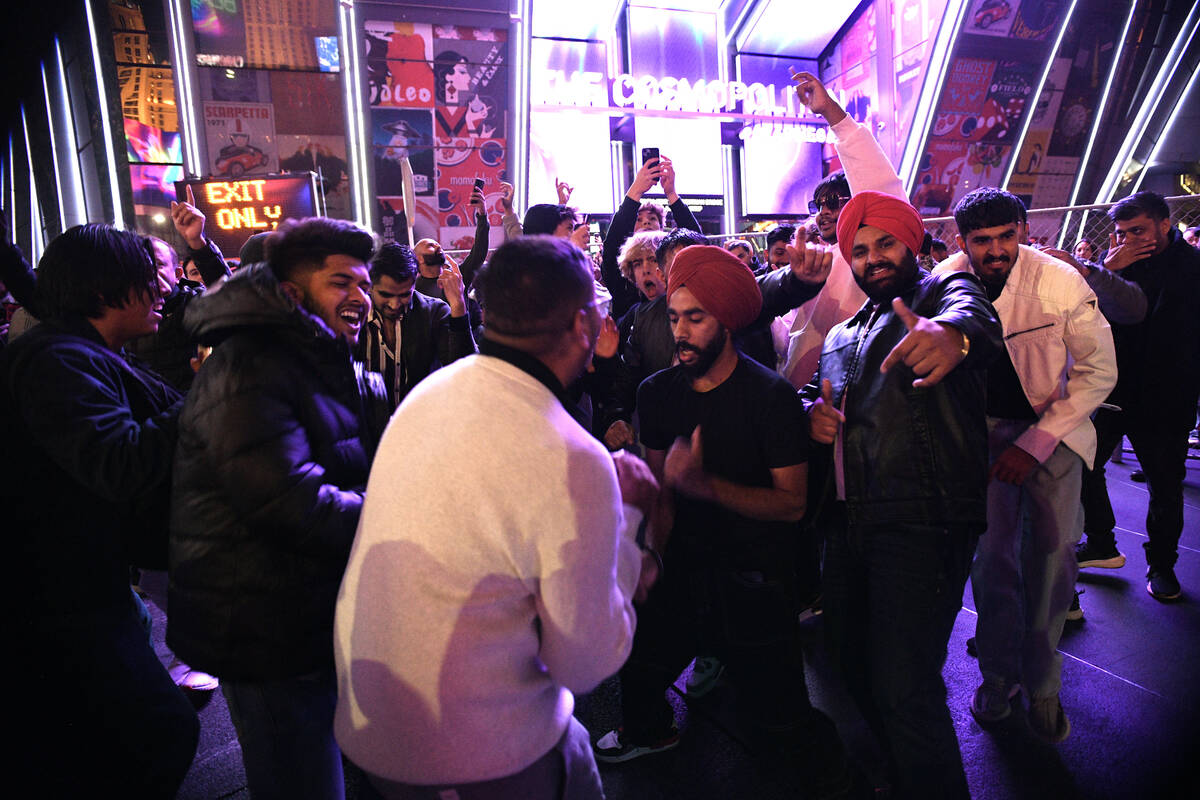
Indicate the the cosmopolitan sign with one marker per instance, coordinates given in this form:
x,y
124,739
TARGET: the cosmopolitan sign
x,y
626,93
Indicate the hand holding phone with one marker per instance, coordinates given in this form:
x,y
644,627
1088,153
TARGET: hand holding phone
x,y
650,154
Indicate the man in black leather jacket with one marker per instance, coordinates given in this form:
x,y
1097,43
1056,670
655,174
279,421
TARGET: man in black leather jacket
x,y
276,440
900,496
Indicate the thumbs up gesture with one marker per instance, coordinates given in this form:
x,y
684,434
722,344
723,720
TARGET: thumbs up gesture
x,y
930,349
823,416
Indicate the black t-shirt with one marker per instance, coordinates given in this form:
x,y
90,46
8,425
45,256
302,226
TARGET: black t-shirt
x,y
1005,397
750,424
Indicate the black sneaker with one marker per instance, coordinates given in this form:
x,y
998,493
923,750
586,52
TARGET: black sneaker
x,y
1162,584
1075,612
612,749
1090,554
1137,476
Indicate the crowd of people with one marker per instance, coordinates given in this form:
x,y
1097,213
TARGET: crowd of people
x,y
408,508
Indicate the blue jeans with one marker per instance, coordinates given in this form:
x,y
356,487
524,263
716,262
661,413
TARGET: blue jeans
x,y
892,593
285,728
1023,578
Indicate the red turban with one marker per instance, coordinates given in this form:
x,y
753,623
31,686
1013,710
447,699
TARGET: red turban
x,y
724,285
883,211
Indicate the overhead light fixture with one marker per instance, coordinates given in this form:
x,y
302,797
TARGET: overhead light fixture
x,y
110,154
58,184
1117,173
931,90
73,173
1062,30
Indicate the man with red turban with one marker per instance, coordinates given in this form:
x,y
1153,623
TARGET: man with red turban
x,y
727,439
900,483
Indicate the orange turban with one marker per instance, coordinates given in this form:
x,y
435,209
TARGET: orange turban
x,y
883,211
724,285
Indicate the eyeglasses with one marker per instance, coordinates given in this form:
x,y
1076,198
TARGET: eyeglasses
x,y
831,202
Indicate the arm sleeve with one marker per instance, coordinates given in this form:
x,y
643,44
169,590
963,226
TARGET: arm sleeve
x,y
624,295
512,227
479,250
1090,377
585,603
866,166
684,218
963,305
781,292
1122,302
268,471
454,338
211,263
74,408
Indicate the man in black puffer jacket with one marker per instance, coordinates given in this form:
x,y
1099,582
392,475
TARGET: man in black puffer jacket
x,y
276,440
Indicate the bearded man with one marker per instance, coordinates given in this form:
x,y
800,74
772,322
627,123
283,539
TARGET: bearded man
x,y
899,493
726,438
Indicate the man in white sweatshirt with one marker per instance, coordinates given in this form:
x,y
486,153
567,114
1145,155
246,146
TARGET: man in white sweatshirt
x,y
473,607
1057,367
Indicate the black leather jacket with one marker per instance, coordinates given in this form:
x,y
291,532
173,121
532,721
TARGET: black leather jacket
x,y
275,442
910,455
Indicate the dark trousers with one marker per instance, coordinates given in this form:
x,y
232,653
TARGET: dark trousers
x,y
1162,452
745,617
891,596
285,729
97,714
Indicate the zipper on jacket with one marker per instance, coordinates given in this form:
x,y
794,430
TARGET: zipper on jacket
x,y
1029,330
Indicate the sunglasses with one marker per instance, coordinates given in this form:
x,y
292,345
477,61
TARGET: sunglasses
x,y
833,203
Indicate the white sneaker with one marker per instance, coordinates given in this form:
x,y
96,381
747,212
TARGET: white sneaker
x,y
706,672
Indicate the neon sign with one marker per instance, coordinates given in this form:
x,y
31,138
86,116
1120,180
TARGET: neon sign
x,y
555,87
238,209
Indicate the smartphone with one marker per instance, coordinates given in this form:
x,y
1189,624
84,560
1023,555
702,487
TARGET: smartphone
x,y
479,183
647,154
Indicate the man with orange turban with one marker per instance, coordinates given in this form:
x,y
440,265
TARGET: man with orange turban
x,y
900,485
727,439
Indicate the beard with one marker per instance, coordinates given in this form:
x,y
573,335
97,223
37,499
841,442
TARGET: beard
x,y
705,356
896,278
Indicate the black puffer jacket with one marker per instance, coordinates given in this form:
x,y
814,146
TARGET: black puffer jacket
x,y
910,454
276,440
88,437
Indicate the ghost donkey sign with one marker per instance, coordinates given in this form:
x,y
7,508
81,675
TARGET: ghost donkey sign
x,y
236,210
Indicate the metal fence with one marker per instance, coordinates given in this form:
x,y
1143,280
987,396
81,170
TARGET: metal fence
x,y
1057,227
1063,227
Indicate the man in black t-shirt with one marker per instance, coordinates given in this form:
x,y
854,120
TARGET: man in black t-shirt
x,y
729,437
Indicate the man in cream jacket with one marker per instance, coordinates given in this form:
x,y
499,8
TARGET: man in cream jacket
x,y
1060,366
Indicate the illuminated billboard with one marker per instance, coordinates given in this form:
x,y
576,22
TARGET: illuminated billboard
x,y
236,210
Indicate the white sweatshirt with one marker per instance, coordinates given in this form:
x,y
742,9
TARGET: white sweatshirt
x,y
491,576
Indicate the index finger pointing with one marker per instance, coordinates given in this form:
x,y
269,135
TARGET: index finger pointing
x,y
898,353
904,313
191,198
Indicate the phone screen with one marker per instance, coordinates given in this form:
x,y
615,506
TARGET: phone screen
x,y
647,154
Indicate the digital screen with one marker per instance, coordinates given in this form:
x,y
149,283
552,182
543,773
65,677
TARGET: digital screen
x,y
328,57
235,210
